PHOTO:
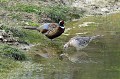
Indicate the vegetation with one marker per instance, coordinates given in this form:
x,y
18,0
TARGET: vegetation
x,y
19,14
4,0
8,59
54,12
10,52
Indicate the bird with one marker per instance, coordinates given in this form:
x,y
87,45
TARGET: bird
x,y
79,42
50,30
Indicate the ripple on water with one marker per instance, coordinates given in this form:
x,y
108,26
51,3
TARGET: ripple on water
x,y
86,24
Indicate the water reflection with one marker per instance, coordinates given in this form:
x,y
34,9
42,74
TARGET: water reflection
x,y
78,57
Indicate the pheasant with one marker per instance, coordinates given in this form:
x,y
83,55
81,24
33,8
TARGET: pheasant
x,y
80,42
50,30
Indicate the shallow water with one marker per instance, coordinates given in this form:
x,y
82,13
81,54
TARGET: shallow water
x,y
99,60
91,63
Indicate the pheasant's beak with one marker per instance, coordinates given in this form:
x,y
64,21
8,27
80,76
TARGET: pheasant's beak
x,y
65,47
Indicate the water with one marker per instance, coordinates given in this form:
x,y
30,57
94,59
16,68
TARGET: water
x,y
99,60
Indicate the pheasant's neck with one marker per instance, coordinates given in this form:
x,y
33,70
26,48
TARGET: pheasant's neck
x,y
62,26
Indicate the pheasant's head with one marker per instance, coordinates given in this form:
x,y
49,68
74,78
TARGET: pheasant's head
x,y
66,45
61,23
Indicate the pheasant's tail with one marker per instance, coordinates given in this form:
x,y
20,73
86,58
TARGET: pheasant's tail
x,y
94,37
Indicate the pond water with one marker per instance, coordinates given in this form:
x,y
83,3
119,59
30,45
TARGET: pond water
x,y
99,60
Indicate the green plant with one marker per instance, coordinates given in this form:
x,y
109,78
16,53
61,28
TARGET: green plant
x,y
4,0
24,8
55,12
15,16
11,52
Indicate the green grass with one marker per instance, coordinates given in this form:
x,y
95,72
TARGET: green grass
x,y
8,61
24,8
6,65
12,53
4,1
54,12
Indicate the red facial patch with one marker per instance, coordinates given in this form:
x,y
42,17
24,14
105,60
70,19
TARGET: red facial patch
x,y
62,22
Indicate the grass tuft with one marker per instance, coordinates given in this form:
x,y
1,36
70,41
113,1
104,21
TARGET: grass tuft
x,y
11,52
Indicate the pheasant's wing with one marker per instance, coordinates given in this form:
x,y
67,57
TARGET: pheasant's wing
x,y
52,29
43,28
83,40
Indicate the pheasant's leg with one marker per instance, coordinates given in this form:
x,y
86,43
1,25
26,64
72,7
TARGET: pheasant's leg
x,y
51,40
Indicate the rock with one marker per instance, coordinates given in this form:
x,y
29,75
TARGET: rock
x,y
105,10
3,33
10,33
25,47
1,38
7,37
1,26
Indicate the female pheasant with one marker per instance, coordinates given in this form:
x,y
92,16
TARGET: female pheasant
x,y
80,42
50,30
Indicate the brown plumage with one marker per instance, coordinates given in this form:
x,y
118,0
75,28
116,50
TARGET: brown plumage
x,y
50,30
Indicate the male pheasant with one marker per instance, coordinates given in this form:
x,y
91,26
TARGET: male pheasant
x,y
50,30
